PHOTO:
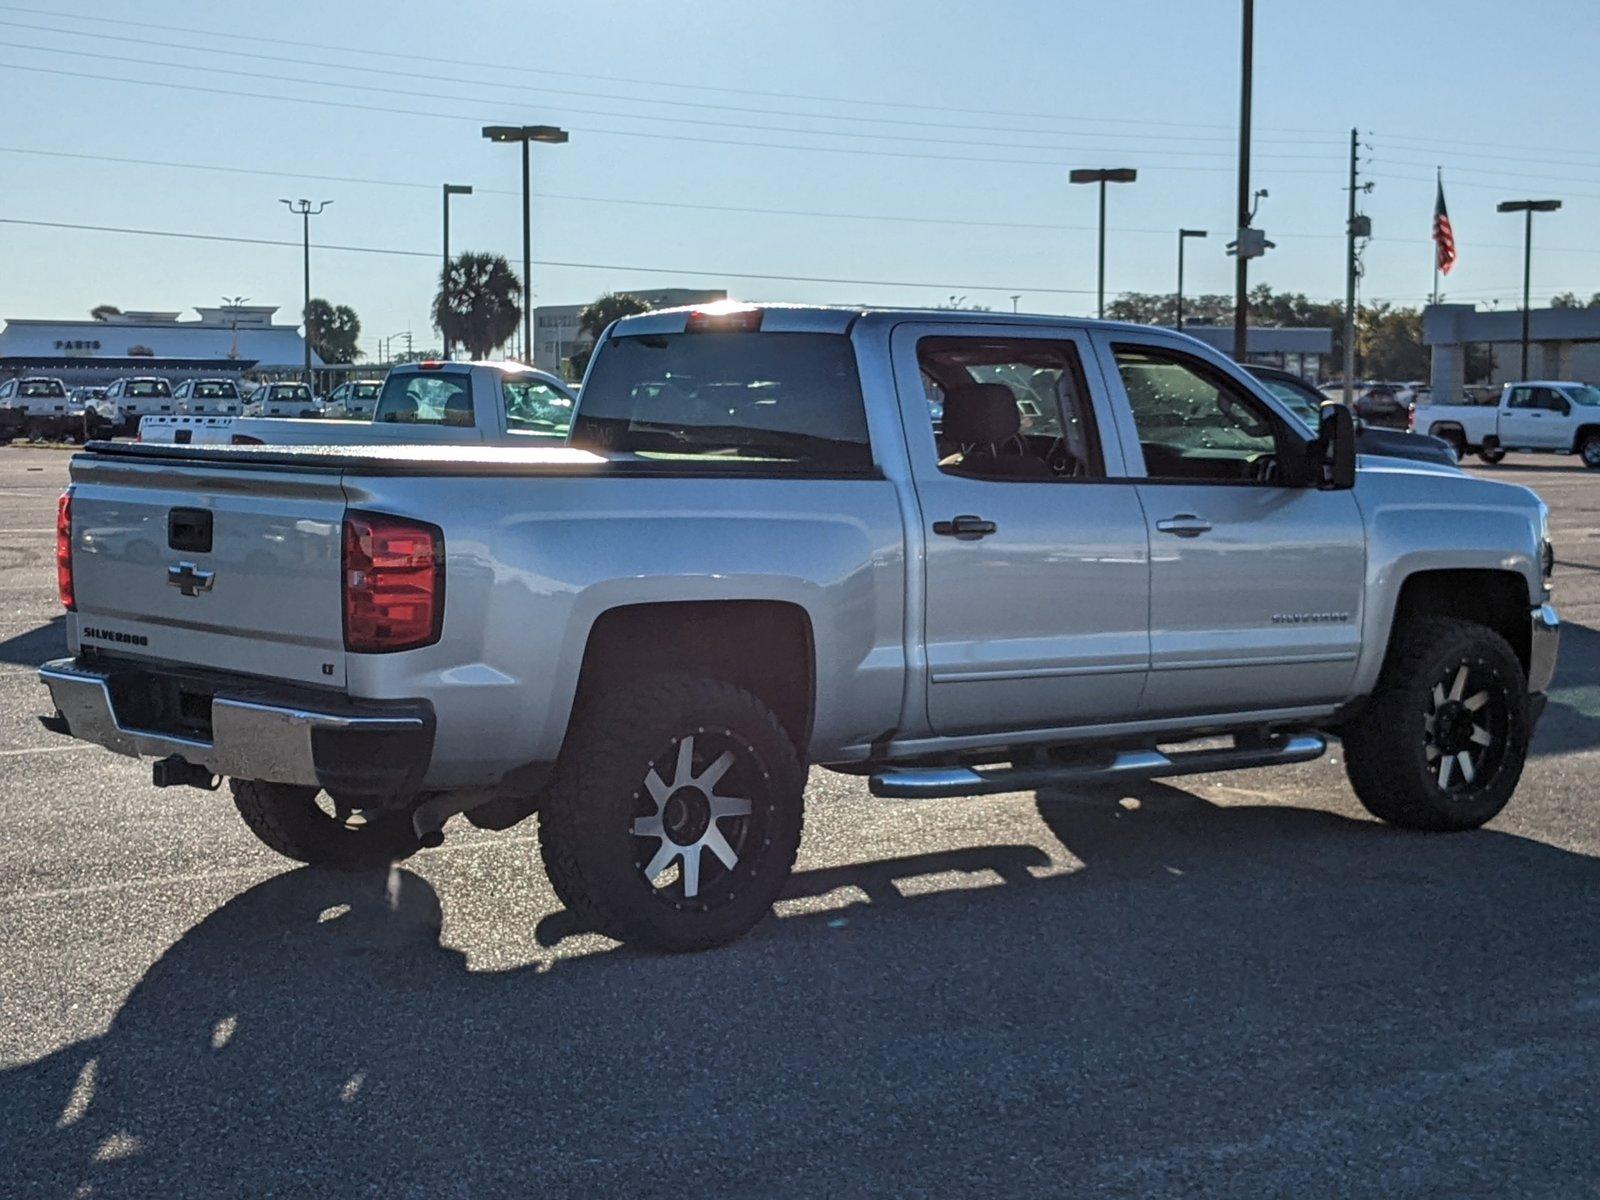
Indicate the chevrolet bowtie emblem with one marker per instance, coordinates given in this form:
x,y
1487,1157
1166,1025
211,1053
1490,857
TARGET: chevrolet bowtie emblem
x,y
189,579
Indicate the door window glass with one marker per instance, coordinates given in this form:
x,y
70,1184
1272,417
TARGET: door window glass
x,y
1009,408
1521,398
1193,422
534,407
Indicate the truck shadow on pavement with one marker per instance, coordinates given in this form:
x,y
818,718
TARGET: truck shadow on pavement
x,y
37,645
1571,721
1201,1000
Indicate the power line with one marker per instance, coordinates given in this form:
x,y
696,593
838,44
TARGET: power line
x,y
649,135
559,107
702,206
300,60
551,262
523,69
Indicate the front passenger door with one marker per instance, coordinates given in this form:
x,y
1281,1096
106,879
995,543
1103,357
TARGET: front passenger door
x,y
1256,583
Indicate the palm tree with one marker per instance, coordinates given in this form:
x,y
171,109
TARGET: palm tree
x,y
477,304
597,317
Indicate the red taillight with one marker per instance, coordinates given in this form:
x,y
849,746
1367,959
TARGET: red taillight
x,y
393,583
244,439
719,319
64,551
430,364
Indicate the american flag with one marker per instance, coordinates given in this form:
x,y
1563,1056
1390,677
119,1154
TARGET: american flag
x,y
1444,238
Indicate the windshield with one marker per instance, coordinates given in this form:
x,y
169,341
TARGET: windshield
x,y
290,391
365,391
43,387
1301,405
213,391
149,387
728,398
1589,397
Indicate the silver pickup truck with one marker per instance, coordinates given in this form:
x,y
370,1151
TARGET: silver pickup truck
x,y
956,553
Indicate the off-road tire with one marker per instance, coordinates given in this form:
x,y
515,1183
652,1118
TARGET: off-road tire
x,y
601,794
1589,451
1387,749
288,819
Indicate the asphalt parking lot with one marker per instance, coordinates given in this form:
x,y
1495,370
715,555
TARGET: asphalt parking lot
x,y
1232,985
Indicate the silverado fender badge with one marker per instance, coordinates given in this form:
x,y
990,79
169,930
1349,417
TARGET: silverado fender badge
x,y
189,579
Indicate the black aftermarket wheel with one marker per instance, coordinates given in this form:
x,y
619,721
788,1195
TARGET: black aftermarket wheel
x,y
676,813
1443,743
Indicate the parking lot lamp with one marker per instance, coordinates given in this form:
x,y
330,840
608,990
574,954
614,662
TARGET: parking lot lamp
x,y
450,189
526,134
1527,208
303,209
1103,177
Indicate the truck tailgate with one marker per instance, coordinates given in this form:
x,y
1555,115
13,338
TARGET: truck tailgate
x,y
210,565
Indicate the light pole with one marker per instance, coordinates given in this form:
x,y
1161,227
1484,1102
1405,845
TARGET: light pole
x,y
1241,273
303,209
450,189
1183,236
1527,208
526,134
1103,177
1014,300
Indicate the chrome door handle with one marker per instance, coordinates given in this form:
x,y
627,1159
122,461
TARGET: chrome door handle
x,y
966,527
1184,525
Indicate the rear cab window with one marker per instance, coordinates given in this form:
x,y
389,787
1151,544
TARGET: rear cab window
x,y
426,399
778,402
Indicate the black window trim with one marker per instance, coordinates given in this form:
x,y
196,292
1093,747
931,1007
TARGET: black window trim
x,y
1282,428
1093,440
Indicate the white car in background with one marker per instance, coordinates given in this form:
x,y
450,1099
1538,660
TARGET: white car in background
x,y
354,399
487,403
283,400
209,397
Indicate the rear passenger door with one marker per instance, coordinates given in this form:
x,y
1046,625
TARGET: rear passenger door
x,y
1036,572
1256,585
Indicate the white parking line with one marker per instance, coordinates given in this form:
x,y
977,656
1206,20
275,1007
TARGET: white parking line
x,y
48,750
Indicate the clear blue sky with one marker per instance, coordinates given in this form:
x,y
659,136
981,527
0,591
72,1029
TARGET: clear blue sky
x,y
1000,98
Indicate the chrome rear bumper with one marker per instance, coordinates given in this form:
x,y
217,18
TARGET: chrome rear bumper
x,y
256,731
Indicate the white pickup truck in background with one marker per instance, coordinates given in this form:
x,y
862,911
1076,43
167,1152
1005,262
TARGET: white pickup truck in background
x,y
485,403
1554,416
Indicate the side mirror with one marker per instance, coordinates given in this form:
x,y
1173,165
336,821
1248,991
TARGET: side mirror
x,y
1334,451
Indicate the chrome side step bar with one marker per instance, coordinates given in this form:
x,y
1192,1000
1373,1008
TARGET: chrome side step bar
x,y
928,783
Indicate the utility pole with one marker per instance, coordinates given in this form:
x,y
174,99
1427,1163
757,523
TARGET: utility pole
x,y
1241,279
302,208
1350,277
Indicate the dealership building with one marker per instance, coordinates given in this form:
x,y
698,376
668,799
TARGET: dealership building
x,y
228,340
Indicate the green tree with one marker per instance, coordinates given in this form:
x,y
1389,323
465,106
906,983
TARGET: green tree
x,y
101,311
1389,342
478,303
333,330
1570,300
597,317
